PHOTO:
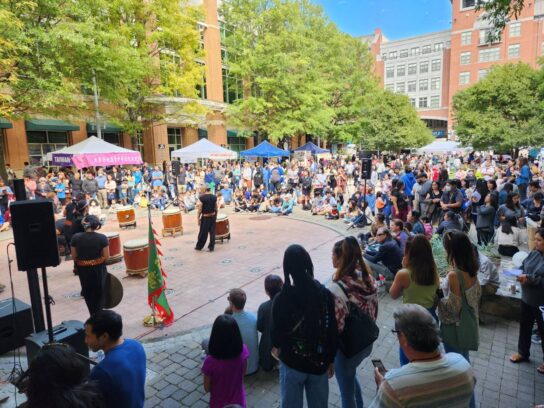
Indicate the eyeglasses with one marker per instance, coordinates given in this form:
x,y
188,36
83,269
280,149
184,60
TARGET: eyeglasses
x,y
395,331
380,235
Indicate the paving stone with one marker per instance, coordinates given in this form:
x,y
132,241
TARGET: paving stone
x,y
169,403
192,398
166,391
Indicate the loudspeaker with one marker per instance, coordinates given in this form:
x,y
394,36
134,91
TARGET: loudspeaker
x,y
34,233
364,154
71,332
176,167
19,189
14,326
367,168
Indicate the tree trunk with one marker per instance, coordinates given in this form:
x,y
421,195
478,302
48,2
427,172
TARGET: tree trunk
x,y
3,172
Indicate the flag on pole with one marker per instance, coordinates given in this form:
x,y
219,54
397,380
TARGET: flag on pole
x,y
156,282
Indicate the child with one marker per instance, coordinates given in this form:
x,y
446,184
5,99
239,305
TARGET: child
x,y
124,191
94,209
380,202
226,364
427,227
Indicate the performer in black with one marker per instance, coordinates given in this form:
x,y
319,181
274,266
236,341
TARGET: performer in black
x,y
74,212
90,251
207,214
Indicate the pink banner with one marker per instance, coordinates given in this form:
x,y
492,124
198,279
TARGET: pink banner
x,y
106,159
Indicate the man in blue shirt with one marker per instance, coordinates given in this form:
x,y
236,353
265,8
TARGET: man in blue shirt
x,y
121,374
247,323
102,195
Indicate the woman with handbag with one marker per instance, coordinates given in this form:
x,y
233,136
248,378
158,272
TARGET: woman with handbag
x,y
352,286
458,308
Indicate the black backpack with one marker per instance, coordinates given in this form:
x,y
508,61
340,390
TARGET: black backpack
x,y
258,177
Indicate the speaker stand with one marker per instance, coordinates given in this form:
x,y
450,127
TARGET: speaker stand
x,y
35,299
48,301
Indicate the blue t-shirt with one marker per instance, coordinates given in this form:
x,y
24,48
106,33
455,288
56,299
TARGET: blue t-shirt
x,y
137,176
157,178
227,194
62,193
121,375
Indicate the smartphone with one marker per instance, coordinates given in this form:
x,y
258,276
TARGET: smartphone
x,y
440,293
380,366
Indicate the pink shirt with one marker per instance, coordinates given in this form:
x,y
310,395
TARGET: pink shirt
x,y
227,379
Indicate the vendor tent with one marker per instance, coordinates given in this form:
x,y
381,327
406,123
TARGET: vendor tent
x,y
446,146
203,149
94,152
312,148
265,149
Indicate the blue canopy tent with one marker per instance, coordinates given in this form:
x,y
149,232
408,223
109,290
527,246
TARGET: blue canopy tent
x,y
312,148
265,149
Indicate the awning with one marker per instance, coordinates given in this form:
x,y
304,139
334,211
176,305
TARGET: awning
x,y
232,133
106,128
51,125
5,124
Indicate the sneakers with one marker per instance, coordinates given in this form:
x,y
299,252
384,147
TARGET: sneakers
x,y
535,339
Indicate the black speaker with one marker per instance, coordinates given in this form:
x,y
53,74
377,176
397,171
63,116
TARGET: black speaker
x,y
14,325
367,169
176,167
34,233
19,189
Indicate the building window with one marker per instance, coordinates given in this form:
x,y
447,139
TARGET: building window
x,y
403,53
401,87
390,72
423,84
465,4
490,54
465,58
435,84
513,51
412,69
423,102
110,137
393,55
232,87
466,38
412,86
438,47
514,30
464,78
435,101
390,87
485,37
413,102
41,143
482,73
236,143
174,139
139,142
384,56
415,51
424,67
436,65
401,70
426,49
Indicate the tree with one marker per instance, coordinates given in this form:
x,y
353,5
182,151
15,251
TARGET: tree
x,y
502,111
499,13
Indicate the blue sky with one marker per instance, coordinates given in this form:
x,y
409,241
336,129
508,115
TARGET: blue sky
x,y
397,18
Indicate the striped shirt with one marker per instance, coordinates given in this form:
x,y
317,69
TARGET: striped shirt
x,y
446,383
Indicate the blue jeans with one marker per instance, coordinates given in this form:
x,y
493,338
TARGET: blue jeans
x,y
449,349
292,386
346,374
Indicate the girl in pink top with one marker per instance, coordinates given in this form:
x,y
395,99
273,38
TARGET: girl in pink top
x,y
226,364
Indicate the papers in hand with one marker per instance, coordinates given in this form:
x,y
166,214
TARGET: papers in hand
x,y
512,272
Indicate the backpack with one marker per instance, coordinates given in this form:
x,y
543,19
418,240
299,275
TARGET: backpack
x,y
258,177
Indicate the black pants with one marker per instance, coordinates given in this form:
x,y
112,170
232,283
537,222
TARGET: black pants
x,y
484,236
508,250
93,282
528,316
207,226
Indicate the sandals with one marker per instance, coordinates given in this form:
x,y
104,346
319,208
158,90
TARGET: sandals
x,y
518,358
540,368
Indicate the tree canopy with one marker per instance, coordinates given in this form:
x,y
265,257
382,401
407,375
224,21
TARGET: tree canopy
x,y
499,13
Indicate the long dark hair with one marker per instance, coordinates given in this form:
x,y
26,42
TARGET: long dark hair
x,y
225,339
350,259
420,261
460,252
507,224
510,200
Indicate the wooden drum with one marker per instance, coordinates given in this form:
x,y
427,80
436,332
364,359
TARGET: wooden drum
x,y
126,216
115,247
172,221
136,253
222,227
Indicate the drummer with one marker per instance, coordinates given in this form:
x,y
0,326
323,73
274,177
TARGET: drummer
x,y
207,214
90,251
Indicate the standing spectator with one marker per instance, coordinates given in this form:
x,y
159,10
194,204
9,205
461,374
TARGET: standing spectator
x,y
111,188
408,179
157,179
433,202
272,286
304,333
524,177
118,178
102,195
399,201
5,192
90,186
60,190
484,220
76,184
452,198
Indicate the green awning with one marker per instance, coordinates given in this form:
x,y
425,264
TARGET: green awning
x,y
106,128
232,133
51,125
5,124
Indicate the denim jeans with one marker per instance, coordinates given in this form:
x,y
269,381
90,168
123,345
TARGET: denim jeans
x,y
450,349
346,374
292,386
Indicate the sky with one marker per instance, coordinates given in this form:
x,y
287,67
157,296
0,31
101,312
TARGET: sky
x,y
397,18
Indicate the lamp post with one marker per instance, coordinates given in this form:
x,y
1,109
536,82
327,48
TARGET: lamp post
x,y
97,112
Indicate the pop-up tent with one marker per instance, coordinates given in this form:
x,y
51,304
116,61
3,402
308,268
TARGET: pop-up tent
x,y
203,149
265,149
312,148
445,146
94,152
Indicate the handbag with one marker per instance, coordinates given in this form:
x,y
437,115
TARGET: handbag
x,y
360,330
463,335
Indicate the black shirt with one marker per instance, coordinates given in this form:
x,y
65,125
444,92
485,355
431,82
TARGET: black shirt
x,y
208,203
89,245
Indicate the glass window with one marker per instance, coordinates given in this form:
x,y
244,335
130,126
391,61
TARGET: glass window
x,y
415,51
438,47
467,4
412,86
174,138
384,56
464,78
236,143
423,84
423,102
514,29
435,84
436,65
465,58
232,87
139,142
482,73
401,87
514,51
413,102
466,38
424,67
113,138
435,101
403,53
484,37
412,69
390,72
390,87
393,55
490,54
41,143
426,49
401,70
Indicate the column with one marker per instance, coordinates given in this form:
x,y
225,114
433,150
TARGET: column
x,y
79,135
156,143
16,145
189,136
217,131
212,47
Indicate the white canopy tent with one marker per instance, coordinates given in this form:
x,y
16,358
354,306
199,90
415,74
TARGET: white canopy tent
x,y
445,146
203,149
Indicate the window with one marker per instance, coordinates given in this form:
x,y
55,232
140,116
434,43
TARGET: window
x,y
482,73
513,51
401,87
466,38
484,37
424,67
236,143
41,143
490,54
423,84
515,30
393,55
435,101
415,51
401,70
390,87
139,142
435,84
465,58
467,4
413,102
174,139
384,56
110,137
464,78
438,47
426,49
412,86
232,87
436,65
412,69
423,102
390,72
403,53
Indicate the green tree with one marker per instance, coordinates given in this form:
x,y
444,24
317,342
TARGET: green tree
x,y
502,111
499,13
